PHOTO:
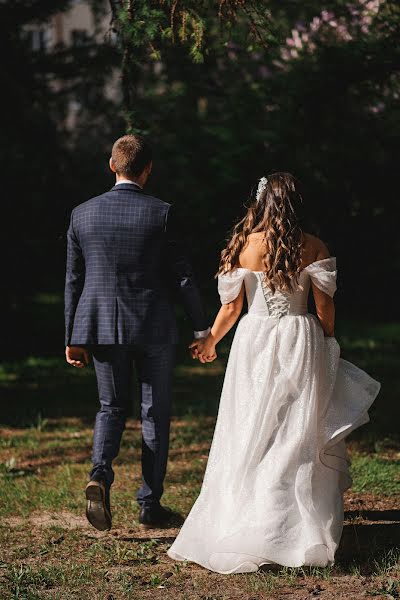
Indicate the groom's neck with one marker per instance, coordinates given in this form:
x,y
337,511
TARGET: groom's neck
x,y
140,180
119,178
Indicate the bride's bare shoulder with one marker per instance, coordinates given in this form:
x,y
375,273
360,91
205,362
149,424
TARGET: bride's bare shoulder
x,y
313,249
256,236
251,256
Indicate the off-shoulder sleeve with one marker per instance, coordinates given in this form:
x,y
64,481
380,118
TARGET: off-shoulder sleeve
x,y
229,285
323,274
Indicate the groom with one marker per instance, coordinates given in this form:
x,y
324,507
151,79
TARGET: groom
x,y
123,258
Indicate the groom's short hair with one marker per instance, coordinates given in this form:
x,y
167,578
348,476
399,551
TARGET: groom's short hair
x,y
130,155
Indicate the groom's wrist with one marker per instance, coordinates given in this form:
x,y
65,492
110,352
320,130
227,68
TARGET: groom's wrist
x,y
198,335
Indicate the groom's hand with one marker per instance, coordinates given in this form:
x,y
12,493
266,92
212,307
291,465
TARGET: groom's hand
x,y
198,342
194,348
77,356
204,349
197,350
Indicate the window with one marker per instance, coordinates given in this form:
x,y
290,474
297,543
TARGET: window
x,y
38,39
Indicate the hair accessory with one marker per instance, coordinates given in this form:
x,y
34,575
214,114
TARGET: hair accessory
x,y
262,184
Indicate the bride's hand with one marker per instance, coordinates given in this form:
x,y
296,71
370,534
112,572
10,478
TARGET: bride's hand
x,y
206,350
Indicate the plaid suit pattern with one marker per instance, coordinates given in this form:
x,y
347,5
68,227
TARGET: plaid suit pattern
x,y
123,256
154,366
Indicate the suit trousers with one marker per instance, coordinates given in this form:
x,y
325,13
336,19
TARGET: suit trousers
x,y
114,365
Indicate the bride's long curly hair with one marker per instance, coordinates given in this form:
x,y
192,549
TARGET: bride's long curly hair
x,y
273,212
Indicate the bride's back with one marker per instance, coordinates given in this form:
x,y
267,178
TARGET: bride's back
x,y
262,300
269,242
253,252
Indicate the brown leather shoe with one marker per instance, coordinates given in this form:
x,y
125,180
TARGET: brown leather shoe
x,y
98,511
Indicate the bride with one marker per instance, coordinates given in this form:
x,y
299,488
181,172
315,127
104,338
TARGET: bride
x,y
277,469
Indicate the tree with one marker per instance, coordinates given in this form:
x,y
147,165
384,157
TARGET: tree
x,y
44,176
267,86
146,29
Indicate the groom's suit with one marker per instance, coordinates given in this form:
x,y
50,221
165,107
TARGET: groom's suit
x,y
123,256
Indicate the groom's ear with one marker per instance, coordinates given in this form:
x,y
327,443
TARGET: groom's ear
x,y
112,166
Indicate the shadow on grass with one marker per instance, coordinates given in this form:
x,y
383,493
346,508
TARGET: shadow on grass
x,y
360,542
373,515
362,546
47,388
33,389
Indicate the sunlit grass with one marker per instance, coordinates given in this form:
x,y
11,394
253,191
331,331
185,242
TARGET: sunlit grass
x,y
46,548
44,468
375,474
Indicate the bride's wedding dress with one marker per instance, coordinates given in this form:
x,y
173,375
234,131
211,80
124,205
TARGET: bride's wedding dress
x,y
277,469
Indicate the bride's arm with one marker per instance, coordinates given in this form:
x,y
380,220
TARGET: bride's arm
x,y
224,321
325,308
324,304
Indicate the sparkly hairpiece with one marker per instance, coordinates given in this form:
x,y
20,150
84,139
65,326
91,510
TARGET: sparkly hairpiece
x,y
262,184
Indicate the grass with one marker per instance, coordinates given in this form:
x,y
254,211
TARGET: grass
x,y
375,474
76,566
47,549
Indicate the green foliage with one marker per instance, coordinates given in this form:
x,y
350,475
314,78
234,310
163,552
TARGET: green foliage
x,y
328,114
147,31
227,92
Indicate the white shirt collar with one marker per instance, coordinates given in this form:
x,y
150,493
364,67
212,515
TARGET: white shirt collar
x,y
128,181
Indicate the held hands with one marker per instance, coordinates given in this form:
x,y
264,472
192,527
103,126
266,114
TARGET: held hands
x,y
77,356
203,349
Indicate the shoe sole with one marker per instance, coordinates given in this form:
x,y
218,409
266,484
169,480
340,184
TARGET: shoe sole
x,y
153,526
157,525
162,525
96,511
145,526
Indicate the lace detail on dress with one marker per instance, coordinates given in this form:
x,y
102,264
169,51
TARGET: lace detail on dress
x,y
278,302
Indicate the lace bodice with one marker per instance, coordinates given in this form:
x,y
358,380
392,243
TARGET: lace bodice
x,y
261,301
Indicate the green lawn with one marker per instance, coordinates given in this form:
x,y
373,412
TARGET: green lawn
x,y
49,551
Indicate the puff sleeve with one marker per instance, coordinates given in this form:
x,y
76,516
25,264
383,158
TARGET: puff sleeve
x,y
323,275
230,284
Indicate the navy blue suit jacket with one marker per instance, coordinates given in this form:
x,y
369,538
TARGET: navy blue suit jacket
x,y
123,254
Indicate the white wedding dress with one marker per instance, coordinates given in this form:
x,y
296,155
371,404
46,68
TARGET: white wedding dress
x,y
277,469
